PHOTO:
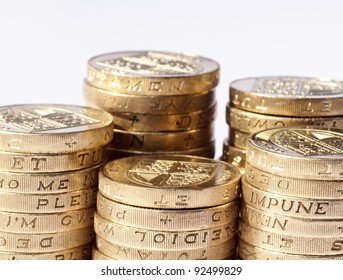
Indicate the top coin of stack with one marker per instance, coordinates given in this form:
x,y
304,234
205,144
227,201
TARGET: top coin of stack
x,y
161,101
268,102
49,160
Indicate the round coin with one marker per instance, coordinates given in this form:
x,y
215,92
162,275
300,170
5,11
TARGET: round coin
x,y
50,128
237,138
169,182
288,96
153,73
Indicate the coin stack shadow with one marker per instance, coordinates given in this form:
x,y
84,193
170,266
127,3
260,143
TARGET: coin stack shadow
x,y
292,195
166,208
262,103
161,102
49,161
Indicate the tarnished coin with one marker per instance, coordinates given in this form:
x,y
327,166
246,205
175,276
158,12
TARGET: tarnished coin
x,y
172,182
162,141
153,73
288,96
114,102
298,152
119,251
49,128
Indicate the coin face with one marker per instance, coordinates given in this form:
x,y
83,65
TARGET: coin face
x,y
153,64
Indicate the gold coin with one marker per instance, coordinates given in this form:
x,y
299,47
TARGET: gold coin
x,y
287,186
288,96
47,203
45,242
292,206
153,73
292,244
169,182
163,141
45,163
49,183
234,155
298,152
207,151
166,219
121,252
45,223
275,223
53,129
78,253
163,240
250,252
97,255
115,103
248,122
237,138
164,123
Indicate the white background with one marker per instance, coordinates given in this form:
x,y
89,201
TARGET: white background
x,y
45,45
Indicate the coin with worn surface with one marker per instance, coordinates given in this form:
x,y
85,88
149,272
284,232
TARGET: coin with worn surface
x,y
158,123
172,182
122,252
166,219
114,102
162,239
153,73
162,141
78,253
288,186
250,252
248,122
49,128
298,152
288,96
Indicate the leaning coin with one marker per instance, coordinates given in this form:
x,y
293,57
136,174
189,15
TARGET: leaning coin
x,y
159,239
166,219
121,252
172,182
298,152
288,96
250,252
55,129
153,73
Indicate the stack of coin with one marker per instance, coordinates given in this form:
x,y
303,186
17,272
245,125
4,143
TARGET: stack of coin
x,y
262,103
49,160
161,102
167,208
292,195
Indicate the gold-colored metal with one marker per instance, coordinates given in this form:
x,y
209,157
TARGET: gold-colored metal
x,y
275,223
234,155
163,240
153,73
116,103
216,252
49,183
45,242
250,252
292,244
169,182
47,203
248,122
163,123
53,129
78,253
288,96
292,206
298,152
46,163
288,186
97,255
17,222
162,141
237,138
207,151
166,219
